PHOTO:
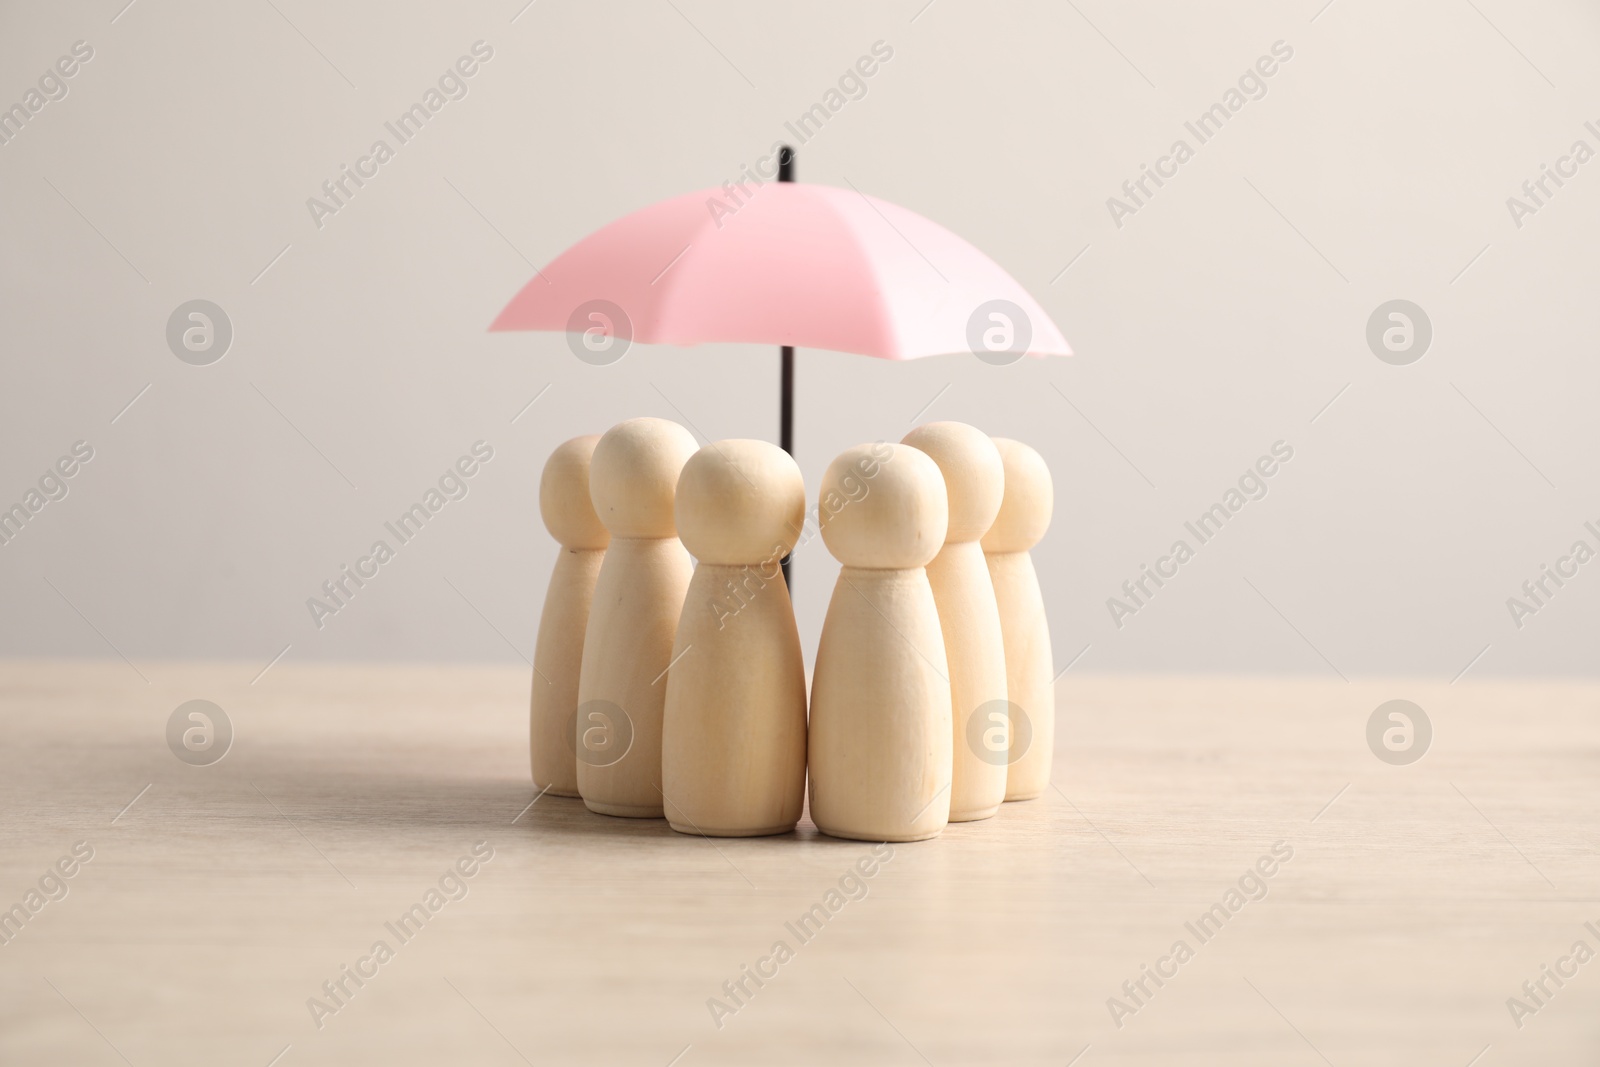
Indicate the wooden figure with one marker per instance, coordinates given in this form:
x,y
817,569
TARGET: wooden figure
x,y
637,599
558,655
1024,517
733,746
880,695
974,479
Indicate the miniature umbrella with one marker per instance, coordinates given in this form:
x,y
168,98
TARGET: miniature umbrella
x,y
809,266
796,265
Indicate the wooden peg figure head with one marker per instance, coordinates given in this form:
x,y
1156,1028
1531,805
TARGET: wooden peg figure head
x,y
740,502
883,506
1029,500
564,501
634,476
974,475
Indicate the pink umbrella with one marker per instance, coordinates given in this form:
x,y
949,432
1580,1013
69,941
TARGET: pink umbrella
x,y
808,266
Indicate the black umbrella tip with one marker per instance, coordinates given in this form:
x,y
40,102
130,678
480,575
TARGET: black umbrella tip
x,y
785,163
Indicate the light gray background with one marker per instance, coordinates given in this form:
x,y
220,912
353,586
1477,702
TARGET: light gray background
x,y
1224,316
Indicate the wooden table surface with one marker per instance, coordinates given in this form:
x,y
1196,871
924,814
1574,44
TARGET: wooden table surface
x,y
219,899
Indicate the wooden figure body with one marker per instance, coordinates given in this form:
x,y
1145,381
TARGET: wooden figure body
x,y
969,616
637,600
880,694
1024,517
558,655
733,747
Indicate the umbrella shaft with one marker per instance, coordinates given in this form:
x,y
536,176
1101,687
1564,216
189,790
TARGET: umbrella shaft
x,y
786,405
786,423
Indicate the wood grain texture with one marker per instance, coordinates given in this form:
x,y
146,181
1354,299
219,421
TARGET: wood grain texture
x,y
878,756
1417,900
626,651
557,665
733,729
969,616
627,645
569,516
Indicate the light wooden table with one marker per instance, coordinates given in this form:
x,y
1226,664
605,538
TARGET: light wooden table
x,y
1418,898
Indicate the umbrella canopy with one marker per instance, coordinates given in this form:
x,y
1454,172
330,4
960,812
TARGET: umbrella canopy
x,y
792,264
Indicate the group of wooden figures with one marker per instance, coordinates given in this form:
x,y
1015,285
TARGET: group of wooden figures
x,y
662,688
